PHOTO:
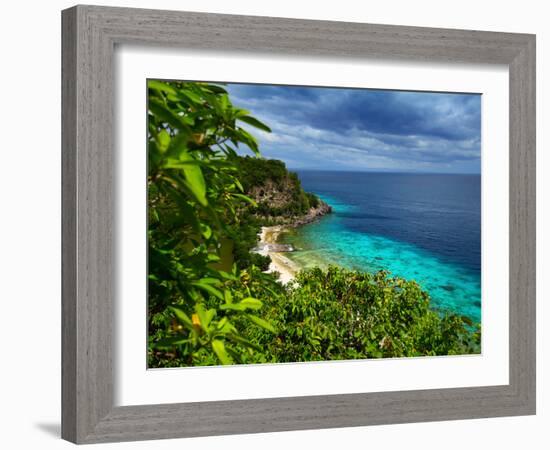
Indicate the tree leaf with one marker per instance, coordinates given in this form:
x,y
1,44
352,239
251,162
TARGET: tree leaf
x,y
161,86
182,316
255,123
170,342
206,231
249,140
239,185
228,297
243,305
228,276
261,323
243,341
165,114
210,280
208,288
219,349
215,89
233,307
252,303
163,141
195,179
170,163
239,112
245,198
224,326
205,316
191,97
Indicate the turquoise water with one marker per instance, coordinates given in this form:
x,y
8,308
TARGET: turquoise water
x,y
453,286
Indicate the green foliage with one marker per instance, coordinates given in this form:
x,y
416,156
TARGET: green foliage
x,y
245,238
256,176
260,177
193,197
312,200
341,314
256,171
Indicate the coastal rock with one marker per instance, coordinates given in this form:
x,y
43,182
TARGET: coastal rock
x,y
313,214
266,247
279,248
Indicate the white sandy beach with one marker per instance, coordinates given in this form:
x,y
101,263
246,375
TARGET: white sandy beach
x,y
279,262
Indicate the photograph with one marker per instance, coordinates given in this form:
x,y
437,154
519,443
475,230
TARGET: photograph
x,y
292,224
265,225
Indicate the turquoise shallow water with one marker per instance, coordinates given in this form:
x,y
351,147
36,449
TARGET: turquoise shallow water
x,y
453,287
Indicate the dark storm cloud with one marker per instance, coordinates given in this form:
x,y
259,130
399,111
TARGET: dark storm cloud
x,y
366,129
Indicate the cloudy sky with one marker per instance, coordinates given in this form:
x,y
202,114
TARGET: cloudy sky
x,y
361,129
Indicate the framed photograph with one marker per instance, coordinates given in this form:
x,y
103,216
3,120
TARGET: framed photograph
x,y
278,224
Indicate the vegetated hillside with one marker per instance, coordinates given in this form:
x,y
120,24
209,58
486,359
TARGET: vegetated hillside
x,y
277,191
279,199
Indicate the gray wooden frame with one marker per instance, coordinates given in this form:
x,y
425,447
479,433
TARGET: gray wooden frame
x,y
89,36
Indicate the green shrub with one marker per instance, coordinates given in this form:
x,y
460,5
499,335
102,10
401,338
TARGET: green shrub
x,y
340,314
259,172
193,196
313,200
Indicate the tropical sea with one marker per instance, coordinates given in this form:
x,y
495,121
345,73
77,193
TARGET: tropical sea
x,y
425,227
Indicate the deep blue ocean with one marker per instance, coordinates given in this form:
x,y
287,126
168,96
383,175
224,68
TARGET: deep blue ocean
x,y
425,227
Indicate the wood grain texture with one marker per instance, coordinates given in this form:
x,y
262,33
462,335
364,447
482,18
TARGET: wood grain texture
x,y
88,209
523,224
89,36
68,225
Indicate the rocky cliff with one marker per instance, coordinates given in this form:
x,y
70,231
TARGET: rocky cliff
x,y
278,193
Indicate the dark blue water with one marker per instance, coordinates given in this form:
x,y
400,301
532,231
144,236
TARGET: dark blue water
x,y
425,227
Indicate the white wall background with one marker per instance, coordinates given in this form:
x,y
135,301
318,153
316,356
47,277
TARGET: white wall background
x,y
30,236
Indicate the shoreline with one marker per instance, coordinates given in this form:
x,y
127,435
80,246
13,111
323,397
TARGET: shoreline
x,y
268,245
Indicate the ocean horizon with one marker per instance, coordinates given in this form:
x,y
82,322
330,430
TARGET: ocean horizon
x,y
419,226
385,171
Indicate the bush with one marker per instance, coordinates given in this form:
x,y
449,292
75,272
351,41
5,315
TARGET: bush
x,y
196,308
259,173
340,314
313,200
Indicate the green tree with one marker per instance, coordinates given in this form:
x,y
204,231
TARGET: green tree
x,y
193,196
340,314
